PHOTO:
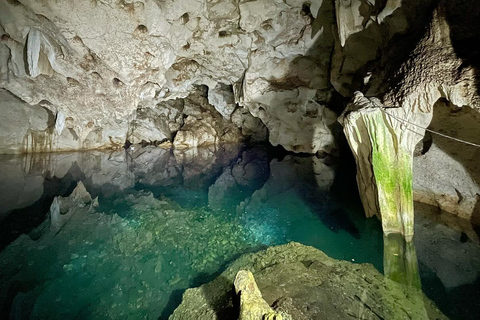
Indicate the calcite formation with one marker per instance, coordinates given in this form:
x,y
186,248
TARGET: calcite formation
x,y
111,71
383,135
383,153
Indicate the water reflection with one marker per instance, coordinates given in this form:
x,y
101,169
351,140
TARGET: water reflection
x,y
169,219
400,261
23,177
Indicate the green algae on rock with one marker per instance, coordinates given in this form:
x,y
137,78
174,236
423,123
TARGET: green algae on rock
x,y
384,156
307,284
252,305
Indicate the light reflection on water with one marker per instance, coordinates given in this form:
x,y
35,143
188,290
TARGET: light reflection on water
x,y
170,220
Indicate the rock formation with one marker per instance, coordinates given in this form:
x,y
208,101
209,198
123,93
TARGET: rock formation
x,y
384,155
383,136
456,189
104,72
63,208
305,283
252,305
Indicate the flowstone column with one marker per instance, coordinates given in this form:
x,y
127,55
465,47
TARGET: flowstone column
x,y
383,149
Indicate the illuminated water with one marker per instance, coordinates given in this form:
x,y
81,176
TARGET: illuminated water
x,y
168,220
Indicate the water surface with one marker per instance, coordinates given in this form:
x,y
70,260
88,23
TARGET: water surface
x,y
168,220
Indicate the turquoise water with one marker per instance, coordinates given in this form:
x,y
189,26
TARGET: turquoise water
x,y
166,221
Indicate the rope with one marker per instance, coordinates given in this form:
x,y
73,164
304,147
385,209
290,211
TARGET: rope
x,y
403,121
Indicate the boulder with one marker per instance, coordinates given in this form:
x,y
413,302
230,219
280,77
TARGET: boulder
x,y
305,283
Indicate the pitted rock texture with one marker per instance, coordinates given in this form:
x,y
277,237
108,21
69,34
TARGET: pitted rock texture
x,y
307,284
435,67
108,70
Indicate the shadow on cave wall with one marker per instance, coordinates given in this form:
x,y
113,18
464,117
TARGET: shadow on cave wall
x,y
332,214
463,19
461,122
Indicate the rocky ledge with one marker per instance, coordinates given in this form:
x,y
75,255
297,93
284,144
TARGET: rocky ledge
x,y
305,283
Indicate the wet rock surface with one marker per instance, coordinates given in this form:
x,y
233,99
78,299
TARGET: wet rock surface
x,y
252,305
307,284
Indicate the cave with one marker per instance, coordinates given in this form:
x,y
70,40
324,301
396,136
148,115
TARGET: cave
x,y
239,159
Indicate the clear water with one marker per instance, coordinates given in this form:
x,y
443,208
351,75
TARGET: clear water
x,y
169,220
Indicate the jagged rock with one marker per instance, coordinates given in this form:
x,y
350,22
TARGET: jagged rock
x,y
292,118
252,305
319,288
251,127
355,15
156,123
96,64
222,98
203,125
148,126
56,219
195,133
369,33
80,194
63,208
283,89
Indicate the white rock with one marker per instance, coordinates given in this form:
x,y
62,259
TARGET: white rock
x,y
222,98
104,58
59,123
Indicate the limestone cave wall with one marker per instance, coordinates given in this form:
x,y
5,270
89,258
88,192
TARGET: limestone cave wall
x,y
111,71
108,73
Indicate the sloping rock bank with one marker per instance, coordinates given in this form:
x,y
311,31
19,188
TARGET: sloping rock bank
x,y
306,284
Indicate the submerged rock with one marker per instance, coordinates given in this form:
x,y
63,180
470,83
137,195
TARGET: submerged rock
x,y
307,284
63,208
